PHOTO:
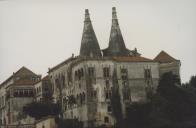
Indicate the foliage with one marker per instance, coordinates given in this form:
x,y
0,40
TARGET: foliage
x,y
39,110
192,81
137,115
172,107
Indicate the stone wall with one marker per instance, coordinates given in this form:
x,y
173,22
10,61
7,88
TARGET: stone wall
x,y
94,110
173,67
48,122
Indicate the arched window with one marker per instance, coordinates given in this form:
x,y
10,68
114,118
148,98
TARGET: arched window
x,y
57,83
83,97
80,98
106,72
77,99
63,80
106,119
82,72
76,75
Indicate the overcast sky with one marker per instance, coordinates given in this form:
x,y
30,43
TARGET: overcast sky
x,y
42,33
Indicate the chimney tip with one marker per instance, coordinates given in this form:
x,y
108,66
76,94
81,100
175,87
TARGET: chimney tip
x,y
86,11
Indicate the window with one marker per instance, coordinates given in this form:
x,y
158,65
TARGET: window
x,y
124,83
106,119
91,71
124,74
57,83
3,100
106,72
82,72
123,70
31,92
107,83
76,75
126,93
108,94
40,89
26,92
83,97
109,108
79,74
94,94
20,92
63,80
147,73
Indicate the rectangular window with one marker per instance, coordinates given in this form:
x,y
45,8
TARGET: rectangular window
x,y
82,72
76,75
107,83
106,72
147,73
106,119
91,71
124,74
109,108
108,94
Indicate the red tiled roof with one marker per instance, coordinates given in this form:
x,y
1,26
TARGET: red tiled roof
x,y
133,59
164,57
20,71
46,78
23,82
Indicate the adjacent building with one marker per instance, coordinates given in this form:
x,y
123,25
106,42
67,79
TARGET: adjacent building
x,y
16,91
43,89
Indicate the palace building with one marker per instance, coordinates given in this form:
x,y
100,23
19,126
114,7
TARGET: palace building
x,y
84,85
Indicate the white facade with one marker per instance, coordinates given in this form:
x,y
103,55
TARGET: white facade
x,y
101,86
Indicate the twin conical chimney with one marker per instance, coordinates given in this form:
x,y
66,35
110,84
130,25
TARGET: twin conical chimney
x,y
89,44
116,43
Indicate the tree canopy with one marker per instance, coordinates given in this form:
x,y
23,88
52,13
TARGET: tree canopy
x,y
39,110
171,107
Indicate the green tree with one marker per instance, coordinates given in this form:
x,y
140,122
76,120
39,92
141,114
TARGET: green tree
x,y
176,104
39,110
171,107
192,81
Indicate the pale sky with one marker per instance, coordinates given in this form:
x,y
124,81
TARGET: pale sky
x,y
42,33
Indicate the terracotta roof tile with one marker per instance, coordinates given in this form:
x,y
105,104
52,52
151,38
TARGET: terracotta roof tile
x,y
22,70
133,59
46,78
164,57
23,82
